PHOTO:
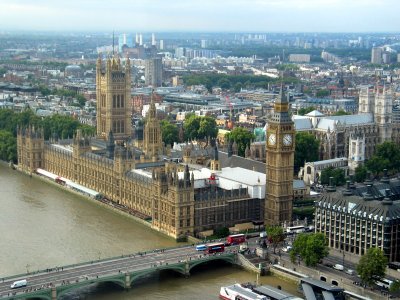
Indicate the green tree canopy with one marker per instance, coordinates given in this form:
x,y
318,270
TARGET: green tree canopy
x,y
169,132
322,93
310,247
341,112
305,110
372,264
242,137
8,146
338,175
360,174
307,147
196,127
275,235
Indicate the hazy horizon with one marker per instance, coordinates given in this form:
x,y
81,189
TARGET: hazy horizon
x,y
207,16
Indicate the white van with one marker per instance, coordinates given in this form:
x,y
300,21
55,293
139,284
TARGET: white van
x,y
18,284
338,267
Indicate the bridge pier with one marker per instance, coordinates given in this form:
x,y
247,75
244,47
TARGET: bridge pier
x,y
53,293
187,269
127,281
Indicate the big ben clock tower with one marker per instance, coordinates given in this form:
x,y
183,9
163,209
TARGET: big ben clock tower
x,y
280,138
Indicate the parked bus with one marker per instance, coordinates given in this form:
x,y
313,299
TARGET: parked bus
x,y
235,239
215,247
295,229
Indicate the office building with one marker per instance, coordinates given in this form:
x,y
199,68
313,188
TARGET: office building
x,y
153,72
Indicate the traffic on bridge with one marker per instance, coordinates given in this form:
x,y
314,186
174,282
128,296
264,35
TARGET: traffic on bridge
x,y
55,282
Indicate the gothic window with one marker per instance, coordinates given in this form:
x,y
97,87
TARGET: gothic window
x,y
118,101
308,170
122,126
122,101
114,101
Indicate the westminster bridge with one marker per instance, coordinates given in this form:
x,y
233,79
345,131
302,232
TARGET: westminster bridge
x,y
51,284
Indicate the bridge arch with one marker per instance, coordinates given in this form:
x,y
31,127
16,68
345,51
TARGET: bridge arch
x,y
64,289
179,268
44,297
229,259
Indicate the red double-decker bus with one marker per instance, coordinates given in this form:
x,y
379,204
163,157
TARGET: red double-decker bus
x,y
215,247
235,239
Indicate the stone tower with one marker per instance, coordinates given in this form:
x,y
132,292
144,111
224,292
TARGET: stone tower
x,y
279,166
356,151
113,93
383,113
30,149
214,163
366,101
152,139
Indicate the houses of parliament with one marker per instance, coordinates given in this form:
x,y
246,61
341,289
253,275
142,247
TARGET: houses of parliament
x,y
177,197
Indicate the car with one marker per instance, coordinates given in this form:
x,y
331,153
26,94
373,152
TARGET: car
x,y
329,265
349,271
287,249
338,267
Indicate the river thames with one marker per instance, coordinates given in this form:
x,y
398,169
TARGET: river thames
x,y
43,226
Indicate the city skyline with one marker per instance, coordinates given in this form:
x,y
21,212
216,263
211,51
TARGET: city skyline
x,y
207,15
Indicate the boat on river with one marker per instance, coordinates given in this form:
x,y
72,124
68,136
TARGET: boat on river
x,y
239,292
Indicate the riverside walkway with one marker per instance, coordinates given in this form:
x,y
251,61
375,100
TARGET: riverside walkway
x,y
50,284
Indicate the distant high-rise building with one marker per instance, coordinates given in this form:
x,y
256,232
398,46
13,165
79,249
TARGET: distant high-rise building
x,y
376,55
153,40
204,43
124,40
179,52
386,58
161,44
137,38
153,72
140,40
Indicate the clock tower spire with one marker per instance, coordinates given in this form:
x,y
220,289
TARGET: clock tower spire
x,y
280,163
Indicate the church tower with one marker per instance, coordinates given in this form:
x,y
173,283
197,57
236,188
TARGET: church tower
x,y
152,139
383,113
113,93
366,101
279,164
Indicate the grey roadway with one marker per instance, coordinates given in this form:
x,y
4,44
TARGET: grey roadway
x,y
135,262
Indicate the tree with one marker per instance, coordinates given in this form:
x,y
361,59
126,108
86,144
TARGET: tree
x,y
208,128
322,93
196,127
275,235
238,87
337,174
169,132
306,149
360,174
222,232
376,164
372,265
242,137
311,248
305,110
224,83
8,146
341,112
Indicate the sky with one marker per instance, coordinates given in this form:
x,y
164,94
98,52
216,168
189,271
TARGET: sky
x,y
201,15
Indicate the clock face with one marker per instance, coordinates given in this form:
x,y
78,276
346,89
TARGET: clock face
x,y
287,139
271,139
